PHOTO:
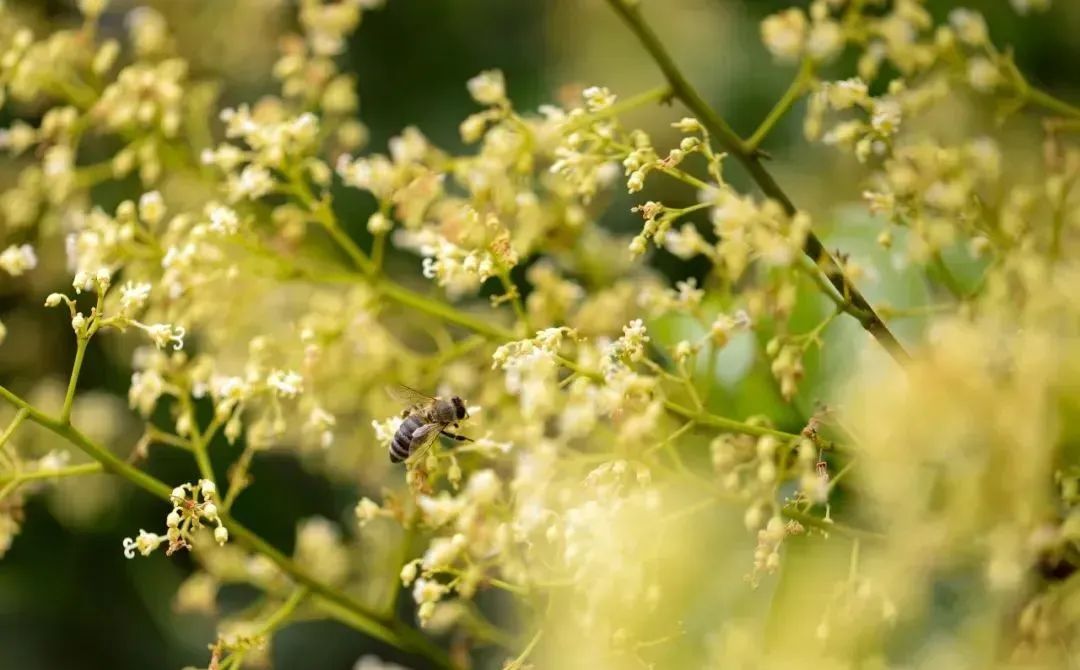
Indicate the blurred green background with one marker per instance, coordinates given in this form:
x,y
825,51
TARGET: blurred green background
x,y
68,598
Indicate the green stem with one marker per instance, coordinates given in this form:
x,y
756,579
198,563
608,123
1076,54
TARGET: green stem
x,y
688,383
710,372
657,94
109,461
507,586
20,416
835,481
362,618
87,176
348,609
199,441
486,632
684,177
397,293
69,471
695,416
830,526
515,300
853,563
1049,102
813,336
450,314
947,278
350,247
748,157
202,459
442,311
238,476
724,423
404,637
525,653
681,88
281,614
160,437
233,662
324,214
672,437
676,459
784,105
1058,222
829,291
76,368
378,251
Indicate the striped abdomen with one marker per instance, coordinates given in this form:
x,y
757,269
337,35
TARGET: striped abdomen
x,y
401,445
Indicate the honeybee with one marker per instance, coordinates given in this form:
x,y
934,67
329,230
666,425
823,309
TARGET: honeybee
x,y
425,419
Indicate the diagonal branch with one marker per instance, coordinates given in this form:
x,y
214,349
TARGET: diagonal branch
x,y
495,333
856,305
344,606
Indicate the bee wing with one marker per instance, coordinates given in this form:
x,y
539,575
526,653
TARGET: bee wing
x,y
422,438
408,396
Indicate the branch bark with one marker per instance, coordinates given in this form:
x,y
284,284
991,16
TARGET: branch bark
x,y
749,157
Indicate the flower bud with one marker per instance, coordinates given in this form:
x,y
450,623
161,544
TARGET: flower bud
x,y
408,573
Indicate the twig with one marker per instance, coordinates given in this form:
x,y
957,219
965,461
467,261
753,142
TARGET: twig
x,y
519,662
748,156
830,526
787,101
1049,102
404,296
73,380
345,607
731,425
55,473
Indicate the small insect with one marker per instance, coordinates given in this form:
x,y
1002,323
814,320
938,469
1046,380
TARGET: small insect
x,y
425,419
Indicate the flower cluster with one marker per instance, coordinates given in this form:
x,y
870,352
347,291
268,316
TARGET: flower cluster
x,y
195,506
472,533
789,35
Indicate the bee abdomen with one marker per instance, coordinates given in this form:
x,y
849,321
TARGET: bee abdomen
x,y
401,445
399,449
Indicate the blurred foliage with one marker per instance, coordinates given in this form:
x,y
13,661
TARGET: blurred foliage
x,y
66,600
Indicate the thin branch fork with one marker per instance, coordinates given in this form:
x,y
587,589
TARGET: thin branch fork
x,y
340,604
749,157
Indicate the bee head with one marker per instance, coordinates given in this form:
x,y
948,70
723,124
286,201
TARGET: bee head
x,y
459,408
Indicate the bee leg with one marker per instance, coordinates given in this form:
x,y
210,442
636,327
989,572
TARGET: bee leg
x,y
459,438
